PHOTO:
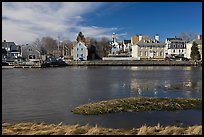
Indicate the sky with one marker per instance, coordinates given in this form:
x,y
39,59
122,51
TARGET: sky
x,y
24,22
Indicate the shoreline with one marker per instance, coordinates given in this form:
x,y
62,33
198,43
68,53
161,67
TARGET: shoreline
x,y
115,63
60,129
132,63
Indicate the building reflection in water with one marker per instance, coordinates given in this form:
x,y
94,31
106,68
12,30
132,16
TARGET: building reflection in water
x,y
164,89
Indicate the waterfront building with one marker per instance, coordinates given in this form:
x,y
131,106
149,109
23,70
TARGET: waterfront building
x,y
127,46
198,41
148,48
10,51
175,47
31,54
116,46
80,51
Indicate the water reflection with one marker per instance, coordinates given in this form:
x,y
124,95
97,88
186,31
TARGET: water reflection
x,y
164,88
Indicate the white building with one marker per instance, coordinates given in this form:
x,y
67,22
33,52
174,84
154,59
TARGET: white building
x,y
175,47
116,48
80,51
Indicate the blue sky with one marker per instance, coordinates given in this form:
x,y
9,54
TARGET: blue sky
x,y
26,21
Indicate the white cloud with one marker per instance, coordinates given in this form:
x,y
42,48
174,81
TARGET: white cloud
x,y
23,22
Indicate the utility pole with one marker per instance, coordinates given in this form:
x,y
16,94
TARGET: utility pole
x,y
58,45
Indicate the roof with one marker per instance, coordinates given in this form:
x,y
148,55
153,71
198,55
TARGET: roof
x,y
76,43
142,43
6,44
127,41
170,39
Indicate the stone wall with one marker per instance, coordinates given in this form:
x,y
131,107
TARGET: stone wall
x,y
131,63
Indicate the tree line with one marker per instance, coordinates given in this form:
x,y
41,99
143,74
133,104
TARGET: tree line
x,y
48,45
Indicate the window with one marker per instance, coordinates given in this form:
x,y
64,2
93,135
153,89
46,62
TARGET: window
x,y
81,55
150,47
77,49
174,51
179,50
77,54
161,53
30,49
182,50
81,48
145,53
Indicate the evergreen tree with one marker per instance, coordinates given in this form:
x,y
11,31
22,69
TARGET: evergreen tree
x,y
195,54
81,37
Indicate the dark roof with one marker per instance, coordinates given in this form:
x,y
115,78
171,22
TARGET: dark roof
x,y
169,39
127,41
7,44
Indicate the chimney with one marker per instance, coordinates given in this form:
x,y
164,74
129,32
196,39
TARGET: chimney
x,y
199,37
157,37
140,37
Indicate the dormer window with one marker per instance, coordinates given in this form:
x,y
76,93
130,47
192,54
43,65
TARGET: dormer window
x,y
30,49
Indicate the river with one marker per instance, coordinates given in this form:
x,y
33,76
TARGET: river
x,y
48,94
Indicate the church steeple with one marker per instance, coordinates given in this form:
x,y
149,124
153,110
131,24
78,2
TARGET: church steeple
x,y
113,37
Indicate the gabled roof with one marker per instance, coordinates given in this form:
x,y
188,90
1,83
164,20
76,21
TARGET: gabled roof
x,y
24,47
76,43
7,44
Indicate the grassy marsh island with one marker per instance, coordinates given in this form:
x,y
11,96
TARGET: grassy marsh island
x,y
138,104
59,129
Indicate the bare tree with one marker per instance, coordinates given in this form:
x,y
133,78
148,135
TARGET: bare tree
x,y
187,36
50,44
103,47
40,46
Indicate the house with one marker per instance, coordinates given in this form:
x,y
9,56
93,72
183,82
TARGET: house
x,y
116,46
148,48
127,46
198,41
11,52
80,51
175,47
31,54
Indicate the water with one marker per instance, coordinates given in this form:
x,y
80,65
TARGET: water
x,y
49,94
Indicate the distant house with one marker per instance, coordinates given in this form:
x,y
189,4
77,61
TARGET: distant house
x,y
31,54
80,51
148,48
11,51
175,47
198,41
127,46
116,46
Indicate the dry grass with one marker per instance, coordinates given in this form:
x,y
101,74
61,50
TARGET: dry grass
x,y
138,104
53,129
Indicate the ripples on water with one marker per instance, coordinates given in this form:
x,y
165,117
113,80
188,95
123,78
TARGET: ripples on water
x,y
48,95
